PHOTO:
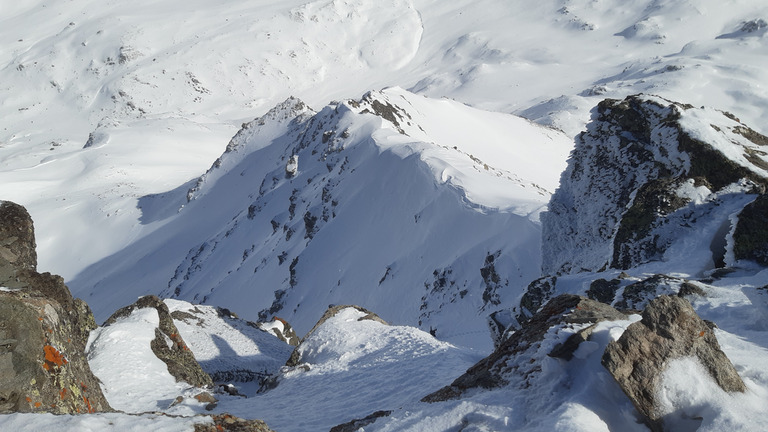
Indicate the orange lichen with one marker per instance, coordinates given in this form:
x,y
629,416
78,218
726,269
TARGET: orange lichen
x,y
63,393
88,404
38,404
29,399
702,333
52,355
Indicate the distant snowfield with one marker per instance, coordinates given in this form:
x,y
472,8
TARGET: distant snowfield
x,y
162,88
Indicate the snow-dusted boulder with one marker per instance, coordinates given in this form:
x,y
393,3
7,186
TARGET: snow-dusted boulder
x,y
647,178
670,330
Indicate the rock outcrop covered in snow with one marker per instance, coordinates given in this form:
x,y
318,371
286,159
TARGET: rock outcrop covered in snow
x,y
644,169
43,331
168,345
515,360
669,330
332,311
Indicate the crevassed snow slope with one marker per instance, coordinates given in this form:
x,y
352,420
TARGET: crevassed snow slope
x,y
435,229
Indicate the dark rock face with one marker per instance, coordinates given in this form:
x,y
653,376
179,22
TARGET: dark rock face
x,y
17,242
178,357
358,424
535,296
637,295
621,201
603,290
43,331
670,329
491,371
295,358
751,234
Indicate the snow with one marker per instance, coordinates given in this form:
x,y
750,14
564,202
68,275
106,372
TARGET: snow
x,y
224,346
99,422
121,358
110,112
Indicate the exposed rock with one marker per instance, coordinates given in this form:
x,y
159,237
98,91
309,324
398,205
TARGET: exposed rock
x,y
636,296
603,290
502,323
295,359
535,296
282,329
178,358
639,179
669,329
689,289
43,331
358,424
229,423
491,371
751,234
17,243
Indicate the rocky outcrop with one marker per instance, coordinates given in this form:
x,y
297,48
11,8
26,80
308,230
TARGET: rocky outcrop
x,y
282,329
17,243
638,178
493,371
43,331
359,424
295,359
168,344
229,423
751,233
669,329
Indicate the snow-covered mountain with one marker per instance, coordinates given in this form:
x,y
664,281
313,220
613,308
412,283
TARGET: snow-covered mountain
x,y
407,156
424,210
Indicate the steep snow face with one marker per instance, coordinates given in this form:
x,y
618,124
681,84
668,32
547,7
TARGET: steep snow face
x,y
425,211
648,180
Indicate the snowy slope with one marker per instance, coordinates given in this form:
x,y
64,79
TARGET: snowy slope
x,y
161,88
426,212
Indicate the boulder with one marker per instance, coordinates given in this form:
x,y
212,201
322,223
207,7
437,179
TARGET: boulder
x,y
175,354
43,331
669,329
